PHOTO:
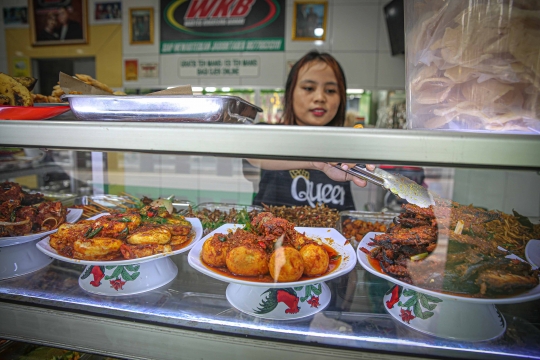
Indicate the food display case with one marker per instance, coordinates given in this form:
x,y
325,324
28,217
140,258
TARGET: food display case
x,y
192,315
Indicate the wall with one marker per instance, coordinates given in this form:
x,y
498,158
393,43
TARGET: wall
x,y
104,43
499,190
357,37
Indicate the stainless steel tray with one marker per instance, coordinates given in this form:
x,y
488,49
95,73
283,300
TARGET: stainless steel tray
x,y
385,218
225,207
163,108
112,201
210,224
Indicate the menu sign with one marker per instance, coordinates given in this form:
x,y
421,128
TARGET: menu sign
x,y
189,26
219,67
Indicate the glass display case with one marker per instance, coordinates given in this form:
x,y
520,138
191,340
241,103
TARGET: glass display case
x,y
358,313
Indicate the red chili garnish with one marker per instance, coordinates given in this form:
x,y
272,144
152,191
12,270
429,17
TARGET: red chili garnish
x,y
150,213
262,244
364,250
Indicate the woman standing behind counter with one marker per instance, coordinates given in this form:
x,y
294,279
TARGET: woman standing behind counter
x,y
315,95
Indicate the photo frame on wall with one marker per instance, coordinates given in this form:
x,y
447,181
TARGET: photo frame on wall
x,y
16,16
141,26
106,12
309,20
54,23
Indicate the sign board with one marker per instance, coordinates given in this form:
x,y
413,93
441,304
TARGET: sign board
x,y
131,68
219,66
149,70
195,26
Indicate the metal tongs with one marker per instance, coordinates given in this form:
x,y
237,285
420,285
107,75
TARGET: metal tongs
x,y
397,184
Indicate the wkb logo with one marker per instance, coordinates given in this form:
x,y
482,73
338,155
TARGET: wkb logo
x,y
218,9
237,16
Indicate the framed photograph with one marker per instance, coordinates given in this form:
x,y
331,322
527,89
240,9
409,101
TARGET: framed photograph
x,y
107,12
57,23
141,26
15,16
309,20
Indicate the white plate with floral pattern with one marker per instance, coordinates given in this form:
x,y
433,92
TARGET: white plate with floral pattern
x,y
328,236
196,229
128,279
441,314
21,259
531,294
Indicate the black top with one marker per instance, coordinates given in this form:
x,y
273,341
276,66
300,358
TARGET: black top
x,y
303,187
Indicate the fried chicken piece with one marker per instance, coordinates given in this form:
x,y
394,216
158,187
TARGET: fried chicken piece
x,y
117,224
150,234
97,248
139,251
62,240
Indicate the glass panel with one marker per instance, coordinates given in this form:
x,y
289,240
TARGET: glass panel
x,y
477,301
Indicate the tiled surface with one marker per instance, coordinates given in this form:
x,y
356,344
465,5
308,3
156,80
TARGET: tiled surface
x,y
355,27
272,63
497,189
355,66
195,178
390,71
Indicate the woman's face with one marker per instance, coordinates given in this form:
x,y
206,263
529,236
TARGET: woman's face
x,y
316,95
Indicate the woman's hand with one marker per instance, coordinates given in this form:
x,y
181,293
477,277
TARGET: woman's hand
x,y
339,175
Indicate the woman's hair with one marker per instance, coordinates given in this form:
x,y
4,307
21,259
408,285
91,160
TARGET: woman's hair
x,y
288,117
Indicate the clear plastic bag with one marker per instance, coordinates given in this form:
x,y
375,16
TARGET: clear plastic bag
x,y
473,65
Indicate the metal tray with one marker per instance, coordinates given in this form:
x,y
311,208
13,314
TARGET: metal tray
x,y
112,201
225,207
383,217
163,108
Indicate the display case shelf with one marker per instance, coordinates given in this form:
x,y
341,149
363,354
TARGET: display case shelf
x,y
191,316
435,148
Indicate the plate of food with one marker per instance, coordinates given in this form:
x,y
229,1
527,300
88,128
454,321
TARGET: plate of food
x,y
520,295
71,217
123,238
21,260
323,253
532,253
8,112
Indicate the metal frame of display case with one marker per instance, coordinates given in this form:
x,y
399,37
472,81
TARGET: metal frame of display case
x,y
101,327
456,149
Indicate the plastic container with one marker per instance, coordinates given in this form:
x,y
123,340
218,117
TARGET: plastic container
x,y
473,65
